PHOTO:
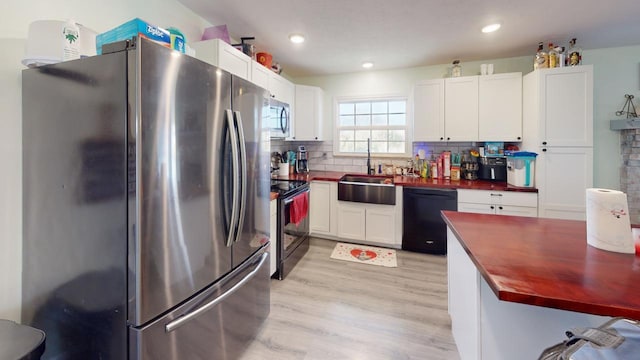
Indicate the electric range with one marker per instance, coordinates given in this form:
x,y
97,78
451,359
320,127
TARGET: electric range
x,y
292,240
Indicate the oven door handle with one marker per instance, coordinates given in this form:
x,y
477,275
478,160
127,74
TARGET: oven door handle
x,y
289,201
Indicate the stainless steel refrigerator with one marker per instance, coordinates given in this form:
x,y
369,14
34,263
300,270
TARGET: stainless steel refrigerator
x,y
146,206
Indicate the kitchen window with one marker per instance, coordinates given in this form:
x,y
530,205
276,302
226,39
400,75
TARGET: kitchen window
x,y
383,120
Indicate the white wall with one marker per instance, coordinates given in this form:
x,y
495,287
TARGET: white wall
x,y
97,15
616,72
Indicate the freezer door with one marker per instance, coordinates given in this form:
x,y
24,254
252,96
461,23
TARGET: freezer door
x,y
251,110
217,324
179,213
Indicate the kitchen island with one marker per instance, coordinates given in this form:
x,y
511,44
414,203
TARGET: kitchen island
x,y
516,284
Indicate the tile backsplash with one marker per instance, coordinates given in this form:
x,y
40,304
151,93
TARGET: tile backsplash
x,y
630,172
321,156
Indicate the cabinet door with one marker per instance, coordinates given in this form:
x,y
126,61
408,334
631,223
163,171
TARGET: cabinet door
x,y
218,53
500,107
235,61
461,108
260,75
516,210
428,110
563,175
476,208
308,113
380,224
320,209
351,221
281,88
566,106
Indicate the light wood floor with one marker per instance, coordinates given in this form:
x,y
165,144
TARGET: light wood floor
x,y
331,309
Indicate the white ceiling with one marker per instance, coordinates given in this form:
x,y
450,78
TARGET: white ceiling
x,y
341,34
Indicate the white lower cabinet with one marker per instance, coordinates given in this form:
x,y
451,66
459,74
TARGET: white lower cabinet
x,y
380,224
322,208
352,221
498,202
368,222
273,212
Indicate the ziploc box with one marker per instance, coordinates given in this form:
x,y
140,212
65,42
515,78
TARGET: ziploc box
x,y
131,29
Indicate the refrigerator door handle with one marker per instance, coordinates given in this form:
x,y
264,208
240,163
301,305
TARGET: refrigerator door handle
x,y
243,173
233,223
183,319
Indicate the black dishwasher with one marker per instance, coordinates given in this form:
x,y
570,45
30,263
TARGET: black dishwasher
x,y
423,229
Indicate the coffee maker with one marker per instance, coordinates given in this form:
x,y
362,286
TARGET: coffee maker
x,y
302,164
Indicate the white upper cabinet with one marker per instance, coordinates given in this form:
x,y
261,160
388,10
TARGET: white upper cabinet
x,y
469,108
218,53
500,107
260,75
461,108
308,113
281,89
428,110
561,106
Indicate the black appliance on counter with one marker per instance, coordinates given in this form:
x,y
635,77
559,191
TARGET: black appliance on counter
x,y
292,241
492,168
423,229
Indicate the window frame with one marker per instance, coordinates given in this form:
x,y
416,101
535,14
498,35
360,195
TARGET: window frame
x,y
373,98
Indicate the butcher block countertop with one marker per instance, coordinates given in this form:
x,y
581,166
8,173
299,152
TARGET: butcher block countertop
x,y
415,182
547,262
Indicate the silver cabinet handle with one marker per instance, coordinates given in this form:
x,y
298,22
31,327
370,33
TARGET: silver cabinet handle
x,y
183,319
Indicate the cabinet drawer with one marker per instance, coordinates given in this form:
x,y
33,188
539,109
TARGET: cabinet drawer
x,y
498,197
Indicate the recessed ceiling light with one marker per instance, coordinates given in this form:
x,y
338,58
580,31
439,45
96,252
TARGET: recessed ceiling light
x,y
296,38
367,64
491,28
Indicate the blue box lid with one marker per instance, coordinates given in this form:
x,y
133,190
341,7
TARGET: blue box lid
x,y
521,154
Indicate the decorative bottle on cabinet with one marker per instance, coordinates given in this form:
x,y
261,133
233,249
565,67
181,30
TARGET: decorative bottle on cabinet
x,y
575,54
553,56
542,58
456,70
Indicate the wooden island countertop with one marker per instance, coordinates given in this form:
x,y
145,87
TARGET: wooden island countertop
x,y
547,262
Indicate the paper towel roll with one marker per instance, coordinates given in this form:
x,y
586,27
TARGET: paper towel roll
x,y
608,224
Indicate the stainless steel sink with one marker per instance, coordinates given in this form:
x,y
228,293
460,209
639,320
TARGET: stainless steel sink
x,y
367,189
368,179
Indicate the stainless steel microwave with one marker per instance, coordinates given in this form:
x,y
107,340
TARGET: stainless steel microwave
x,y
279,119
